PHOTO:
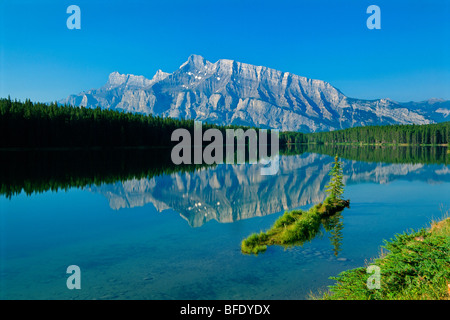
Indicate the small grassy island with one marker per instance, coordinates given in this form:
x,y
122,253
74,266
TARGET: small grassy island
x,y
298,226
294,227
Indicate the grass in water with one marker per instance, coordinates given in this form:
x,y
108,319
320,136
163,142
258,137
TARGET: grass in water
x,y
295,227
416,267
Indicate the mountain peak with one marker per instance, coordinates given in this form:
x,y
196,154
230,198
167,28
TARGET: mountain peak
x,y
195,58
159,75
195,61
435,100
116,79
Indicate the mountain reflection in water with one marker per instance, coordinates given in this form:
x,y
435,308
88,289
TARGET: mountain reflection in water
x,y
228,193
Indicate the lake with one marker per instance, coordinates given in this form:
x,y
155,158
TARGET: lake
x,y
141,228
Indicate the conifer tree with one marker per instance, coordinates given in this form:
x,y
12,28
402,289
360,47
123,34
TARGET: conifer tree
x,y
335,187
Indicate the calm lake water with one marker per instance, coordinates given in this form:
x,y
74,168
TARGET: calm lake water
x,y
177,235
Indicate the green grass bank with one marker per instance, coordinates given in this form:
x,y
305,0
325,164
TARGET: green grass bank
x,y
416,266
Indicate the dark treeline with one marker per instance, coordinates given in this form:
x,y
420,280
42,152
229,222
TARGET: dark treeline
x,y
370,153
430,134
38,125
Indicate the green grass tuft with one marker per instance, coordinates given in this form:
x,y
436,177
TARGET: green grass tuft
x,y
293,227
416,267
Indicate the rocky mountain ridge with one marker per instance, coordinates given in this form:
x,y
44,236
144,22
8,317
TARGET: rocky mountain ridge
x,y
231,92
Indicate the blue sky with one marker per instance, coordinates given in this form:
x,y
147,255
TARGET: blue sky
x,y
408,59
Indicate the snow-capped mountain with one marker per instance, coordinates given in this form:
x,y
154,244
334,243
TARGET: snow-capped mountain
x,y
231,92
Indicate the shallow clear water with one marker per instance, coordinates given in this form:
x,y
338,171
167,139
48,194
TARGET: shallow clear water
x,y
178,236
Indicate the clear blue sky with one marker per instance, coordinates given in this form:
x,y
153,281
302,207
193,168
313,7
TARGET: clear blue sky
x,y
408,59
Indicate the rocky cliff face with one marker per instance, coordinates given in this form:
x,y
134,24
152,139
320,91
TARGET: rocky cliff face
x,y
438,110
229,193
231,92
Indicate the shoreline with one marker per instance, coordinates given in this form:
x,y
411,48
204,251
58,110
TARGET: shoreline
x,y
415,267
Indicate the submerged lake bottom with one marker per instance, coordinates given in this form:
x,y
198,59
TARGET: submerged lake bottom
x,y
178,236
